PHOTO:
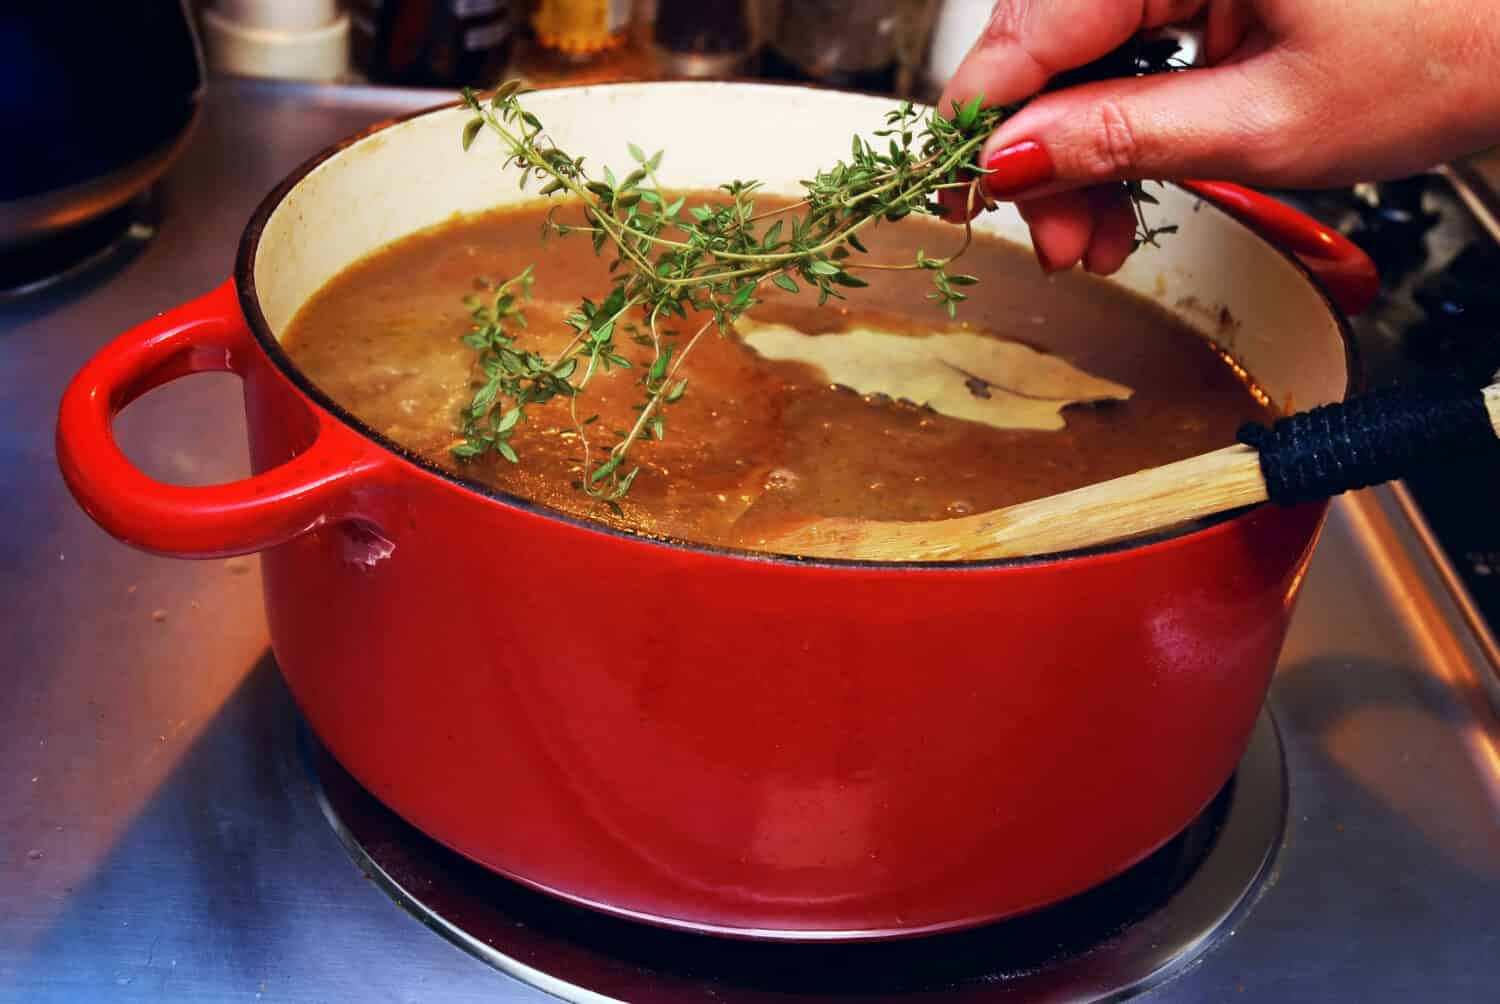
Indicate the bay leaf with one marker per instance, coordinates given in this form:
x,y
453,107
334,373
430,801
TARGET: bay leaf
x,y
962,374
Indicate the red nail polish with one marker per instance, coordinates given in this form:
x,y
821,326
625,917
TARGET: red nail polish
x,y
1017,168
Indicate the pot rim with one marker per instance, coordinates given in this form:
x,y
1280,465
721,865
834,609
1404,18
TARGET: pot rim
x,y
244,280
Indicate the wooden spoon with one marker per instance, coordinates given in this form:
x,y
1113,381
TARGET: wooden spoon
x,y
1407,429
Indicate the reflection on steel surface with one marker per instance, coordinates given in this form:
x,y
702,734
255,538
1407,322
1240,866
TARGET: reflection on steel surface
x,y
1112,942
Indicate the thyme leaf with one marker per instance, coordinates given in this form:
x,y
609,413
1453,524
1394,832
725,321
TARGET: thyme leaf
x,y
707,262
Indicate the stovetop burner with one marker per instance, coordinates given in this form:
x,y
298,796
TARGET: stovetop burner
x,y
1439,305
1113,941
1436,241
112,237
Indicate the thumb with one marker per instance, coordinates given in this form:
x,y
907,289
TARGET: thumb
x,y
1230,122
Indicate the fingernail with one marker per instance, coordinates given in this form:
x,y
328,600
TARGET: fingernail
x,y
1018,168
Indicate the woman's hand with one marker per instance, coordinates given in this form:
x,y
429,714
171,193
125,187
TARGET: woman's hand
x,y
1294,93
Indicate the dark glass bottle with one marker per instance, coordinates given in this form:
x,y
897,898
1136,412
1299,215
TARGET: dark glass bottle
x,y
433,43
703,38
869,45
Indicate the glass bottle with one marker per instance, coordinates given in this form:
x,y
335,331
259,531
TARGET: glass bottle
x,y
704,38
580,30
581,42
433,43
868,45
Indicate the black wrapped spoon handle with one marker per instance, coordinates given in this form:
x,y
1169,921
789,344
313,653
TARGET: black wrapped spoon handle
x,y
1311,455
1373,437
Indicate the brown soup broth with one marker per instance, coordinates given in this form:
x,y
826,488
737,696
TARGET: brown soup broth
x,y
756,446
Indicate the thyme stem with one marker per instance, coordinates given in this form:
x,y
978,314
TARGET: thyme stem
x,y
672,261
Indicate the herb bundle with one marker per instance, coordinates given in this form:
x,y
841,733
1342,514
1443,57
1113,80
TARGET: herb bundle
x,y
704,264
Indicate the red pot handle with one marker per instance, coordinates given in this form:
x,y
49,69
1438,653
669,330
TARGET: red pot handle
x,y
1338,263
206,334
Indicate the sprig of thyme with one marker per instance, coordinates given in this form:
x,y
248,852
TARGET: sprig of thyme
x,y
704,263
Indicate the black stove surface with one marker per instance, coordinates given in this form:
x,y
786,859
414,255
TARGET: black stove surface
x,y
88,250
1439,308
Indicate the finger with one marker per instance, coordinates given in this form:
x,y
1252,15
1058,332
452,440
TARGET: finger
x,y
1228,25
1114,230
1061,227
959,205
1225,121
1026,42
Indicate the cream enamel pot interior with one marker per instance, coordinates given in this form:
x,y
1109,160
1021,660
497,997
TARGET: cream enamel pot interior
x,y
413,174
752,746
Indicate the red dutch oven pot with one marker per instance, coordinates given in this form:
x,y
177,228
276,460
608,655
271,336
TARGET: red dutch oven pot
x,y
751,745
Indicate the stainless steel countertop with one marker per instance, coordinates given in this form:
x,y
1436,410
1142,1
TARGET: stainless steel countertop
x,y
159,839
